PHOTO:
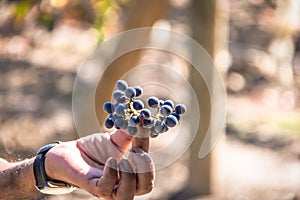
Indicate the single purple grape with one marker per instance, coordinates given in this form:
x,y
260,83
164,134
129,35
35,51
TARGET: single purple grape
x,y
145,113
138,105
121,85
171,121
165,110
153,102
180,109
130,92
108,107
109,123
138,91
170,103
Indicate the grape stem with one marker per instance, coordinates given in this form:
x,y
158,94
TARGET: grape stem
x,y
132,111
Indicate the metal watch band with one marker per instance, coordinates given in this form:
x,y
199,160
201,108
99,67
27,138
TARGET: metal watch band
x,y
41,178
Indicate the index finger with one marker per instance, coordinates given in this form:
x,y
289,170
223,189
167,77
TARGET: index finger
x,y
127,184
144,169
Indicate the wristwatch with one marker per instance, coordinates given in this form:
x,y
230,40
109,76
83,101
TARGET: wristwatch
x,y
45,184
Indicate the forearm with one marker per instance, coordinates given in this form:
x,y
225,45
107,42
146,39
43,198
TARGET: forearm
x,y
17,180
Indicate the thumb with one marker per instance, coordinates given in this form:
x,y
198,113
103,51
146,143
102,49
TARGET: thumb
x,y
121,139
142,139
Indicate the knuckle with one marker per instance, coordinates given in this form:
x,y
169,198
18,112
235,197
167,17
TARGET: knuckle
x,y
148,189
145,190
105,194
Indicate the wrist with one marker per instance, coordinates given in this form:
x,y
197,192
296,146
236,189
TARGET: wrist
x,y
25,168
46,181
23,178
51,160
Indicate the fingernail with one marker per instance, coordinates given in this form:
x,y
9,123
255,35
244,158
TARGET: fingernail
x,y
137,150
143,132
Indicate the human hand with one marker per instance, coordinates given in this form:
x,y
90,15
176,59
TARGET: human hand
x,y
96,164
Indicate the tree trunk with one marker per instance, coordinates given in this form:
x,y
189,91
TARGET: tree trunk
x,y
210,29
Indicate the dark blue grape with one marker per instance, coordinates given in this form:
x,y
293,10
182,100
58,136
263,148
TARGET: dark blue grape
x,y
153,133
153,102
134,121
124,127
145,113
132,130
158,126
148,123
116,94
170,103
120,110
165,129
171,121
130,92
108,107
121,123
165,110
121,85
138,91
180,109
116,105
138,105
114,117
109,123
176,115
121,99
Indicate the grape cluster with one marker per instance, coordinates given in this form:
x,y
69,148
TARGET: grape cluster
x,y
128,112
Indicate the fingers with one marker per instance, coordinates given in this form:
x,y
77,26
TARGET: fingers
x,y
106,184
142,143
110,186
144,169
127,184
121,139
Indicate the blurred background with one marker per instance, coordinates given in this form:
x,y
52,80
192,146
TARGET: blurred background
x,y
255,45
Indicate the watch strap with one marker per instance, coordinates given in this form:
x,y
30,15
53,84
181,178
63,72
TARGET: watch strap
x,y
43,182
39,171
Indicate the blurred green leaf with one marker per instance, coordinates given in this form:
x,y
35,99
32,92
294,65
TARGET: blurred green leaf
x,y
47,20
22,7
99,13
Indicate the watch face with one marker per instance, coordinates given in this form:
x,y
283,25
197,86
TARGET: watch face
x,y
57,190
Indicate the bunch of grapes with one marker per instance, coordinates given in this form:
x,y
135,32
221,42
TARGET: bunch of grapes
x,y
128,112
